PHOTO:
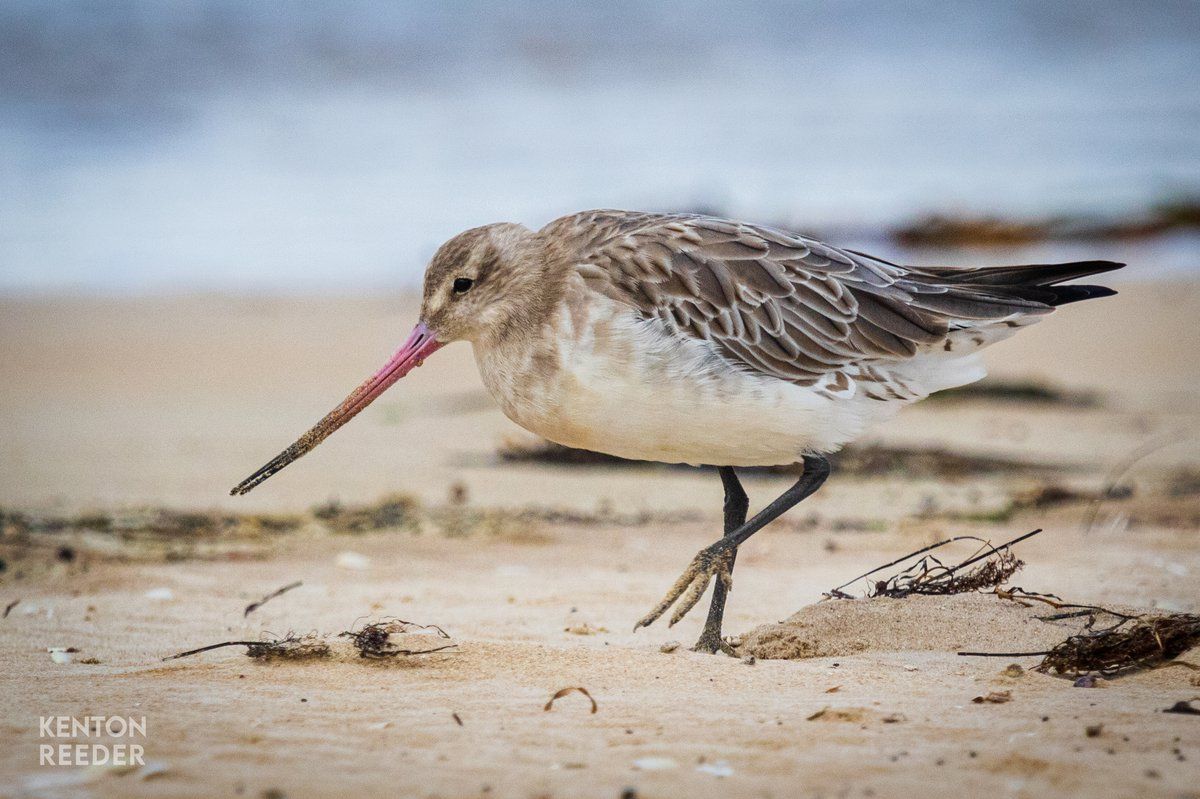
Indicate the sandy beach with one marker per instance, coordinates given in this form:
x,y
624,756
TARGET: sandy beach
x,y
128,410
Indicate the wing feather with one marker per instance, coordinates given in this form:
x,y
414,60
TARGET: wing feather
x,y
776,302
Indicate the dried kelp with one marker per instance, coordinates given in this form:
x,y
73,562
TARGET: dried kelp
x,y
289,647
375,640
143,534
1126,643
150,522
393,511
1131,644
929,575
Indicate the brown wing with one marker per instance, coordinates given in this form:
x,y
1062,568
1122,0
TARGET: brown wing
x,y
777,302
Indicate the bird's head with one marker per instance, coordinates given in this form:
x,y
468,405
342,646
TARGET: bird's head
x,y
480,285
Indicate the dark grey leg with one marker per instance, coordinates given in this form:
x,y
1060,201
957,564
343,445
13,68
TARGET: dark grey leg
x,y
737,504
713,560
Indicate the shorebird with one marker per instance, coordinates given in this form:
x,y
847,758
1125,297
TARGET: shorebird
x,y
684,338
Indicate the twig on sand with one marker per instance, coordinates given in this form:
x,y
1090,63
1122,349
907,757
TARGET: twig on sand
x,y
8,608
1019,595
253,606
930,576
209,648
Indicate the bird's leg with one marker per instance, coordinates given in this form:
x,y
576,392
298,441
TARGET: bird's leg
x,y
736,506
712,561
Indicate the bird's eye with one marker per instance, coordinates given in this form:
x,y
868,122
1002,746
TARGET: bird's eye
x,y
462,285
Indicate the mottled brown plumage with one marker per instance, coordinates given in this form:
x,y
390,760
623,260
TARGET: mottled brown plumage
x,y
787,305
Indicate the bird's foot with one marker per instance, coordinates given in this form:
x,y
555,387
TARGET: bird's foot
x,y
709,562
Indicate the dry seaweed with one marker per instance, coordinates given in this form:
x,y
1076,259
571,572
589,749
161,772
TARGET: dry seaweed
x,y
9,607
290,647
393,511
561,692
374,640
1131,644
165,534
148,533
253,606
929,575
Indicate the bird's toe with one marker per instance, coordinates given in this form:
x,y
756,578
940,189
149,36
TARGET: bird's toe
x,y
690,587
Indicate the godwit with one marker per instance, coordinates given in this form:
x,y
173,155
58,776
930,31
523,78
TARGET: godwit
x,y
693,339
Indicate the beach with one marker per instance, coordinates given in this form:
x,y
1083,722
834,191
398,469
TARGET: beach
x,y
125,414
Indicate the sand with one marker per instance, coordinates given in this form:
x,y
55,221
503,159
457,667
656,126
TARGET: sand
x,y
167,402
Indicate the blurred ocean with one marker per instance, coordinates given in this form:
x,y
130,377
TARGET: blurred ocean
x,y
233,146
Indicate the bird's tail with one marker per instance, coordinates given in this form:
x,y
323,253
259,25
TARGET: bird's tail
x,y
1036,282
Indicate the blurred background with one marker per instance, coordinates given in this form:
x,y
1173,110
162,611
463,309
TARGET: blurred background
x,y
295,147
213,215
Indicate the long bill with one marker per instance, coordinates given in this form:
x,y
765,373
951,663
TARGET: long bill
x,y
420,345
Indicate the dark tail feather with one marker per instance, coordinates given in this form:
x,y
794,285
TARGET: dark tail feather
x,y
1068,294
1026,275
1036,282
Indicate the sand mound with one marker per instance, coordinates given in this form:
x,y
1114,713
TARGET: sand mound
x,y
979,622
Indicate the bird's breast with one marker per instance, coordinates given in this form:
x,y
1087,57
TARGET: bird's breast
x,y
601,378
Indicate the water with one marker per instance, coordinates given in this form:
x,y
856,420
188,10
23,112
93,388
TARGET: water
x,y
231,146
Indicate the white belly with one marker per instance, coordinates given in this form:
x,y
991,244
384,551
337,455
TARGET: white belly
x,y
628,388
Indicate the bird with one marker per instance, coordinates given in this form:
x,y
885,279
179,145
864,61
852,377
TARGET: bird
x,y
695,339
